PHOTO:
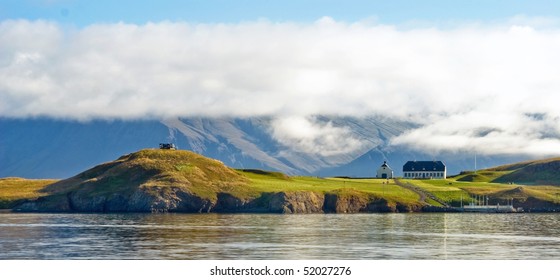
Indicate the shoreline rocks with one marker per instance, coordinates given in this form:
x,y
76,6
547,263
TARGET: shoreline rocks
x,y
178,200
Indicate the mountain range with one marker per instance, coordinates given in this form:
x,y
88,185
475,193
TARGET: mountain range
x,y
50,148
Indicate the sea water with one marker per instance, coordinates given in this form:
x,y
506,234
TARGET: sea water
x,y
268,236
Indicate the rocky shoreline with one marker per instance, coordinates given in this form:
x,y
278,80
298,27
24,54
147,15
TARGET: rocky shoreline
x,y
161,181
177,200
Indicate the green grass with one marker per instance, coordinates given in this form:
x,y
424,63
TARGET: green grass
x,y
158,171
369,188
536,172
479,176
450,193
547,193
155,171
451,190
520,165
14,190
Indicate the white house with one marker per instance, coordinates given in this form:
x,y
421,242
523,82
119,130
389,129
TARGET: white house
x,y
424,170
384,171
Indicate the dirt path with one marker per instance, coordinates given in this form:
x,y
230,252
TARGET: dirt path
x,y
421,192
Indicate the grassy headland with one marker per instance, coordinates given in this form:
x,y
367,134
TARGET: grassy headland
x,y
165,180
184,181
263,182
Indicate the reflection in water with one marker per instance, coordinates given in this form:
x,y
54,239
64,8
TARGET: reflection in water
x,y
258,236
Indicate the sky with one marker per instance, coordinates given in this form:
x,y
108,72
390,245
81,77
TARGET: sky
x,y
83,13
469,75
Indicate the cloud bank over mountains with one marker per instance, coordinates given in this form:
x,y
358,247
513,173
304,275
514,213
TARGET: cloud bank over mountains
x,y
492,88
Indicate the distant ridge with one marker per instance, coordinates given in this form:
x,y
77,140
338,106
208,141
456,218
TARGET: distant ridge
x,y
49,148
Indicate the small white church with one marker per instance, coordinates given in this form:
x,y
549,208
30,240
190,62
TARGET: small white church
x,y
384,171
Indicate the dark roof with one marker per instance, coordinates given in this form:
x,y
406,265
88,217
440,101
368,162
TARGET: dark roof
x,y
424,166
385,164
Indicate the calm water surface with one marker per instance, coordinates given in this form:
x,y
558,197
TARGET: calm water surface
x,y
258,236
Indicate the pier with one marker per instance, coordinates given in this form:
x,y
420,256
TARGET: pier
x,y
480,204
488,208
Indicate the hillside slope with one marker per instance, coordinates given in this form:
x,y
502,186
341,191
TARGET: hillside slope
x,y
542,172
534,172
156,180
144,181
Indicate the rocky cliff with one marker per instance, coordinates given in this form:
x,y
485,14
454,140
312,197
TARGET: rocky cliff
x,y
177,200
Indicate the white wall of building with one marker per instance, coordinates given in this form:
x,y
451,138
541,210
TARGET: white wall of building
x,y
425,174
385,170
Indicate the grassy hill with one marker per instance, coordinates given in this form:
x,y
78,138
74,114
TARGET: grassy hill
x,y
479,176
156,180
542,172
183,181
154,169
536,172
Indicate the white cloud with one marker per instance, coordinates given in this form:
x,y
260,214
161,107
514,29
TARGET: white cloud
x,y
452,82
487,133
311,136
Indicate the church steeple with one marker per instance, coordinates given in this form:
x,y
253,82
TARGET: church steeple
x,y
384,171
